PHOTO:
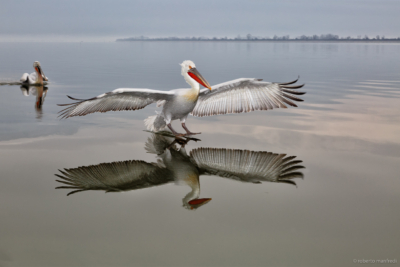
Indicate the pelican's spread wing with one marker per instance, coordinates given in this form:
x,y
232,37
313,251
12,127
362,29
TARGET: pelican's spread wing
x,y
114,176
119,99
245,95
247,166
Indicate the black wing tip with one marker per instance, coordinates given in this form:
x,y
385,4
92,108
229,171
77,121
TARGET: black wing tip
x,y
66,104
289,90
293,92
78,189
292,86
70,97
288,182
292,82
77,99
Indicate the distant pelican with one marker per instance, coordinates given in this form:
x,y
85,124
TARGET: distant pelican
x,y
236,96
35,78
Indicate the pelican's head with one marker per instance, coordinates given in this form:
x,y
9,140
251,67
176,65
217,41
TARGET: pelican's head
x,y
38,68
190,73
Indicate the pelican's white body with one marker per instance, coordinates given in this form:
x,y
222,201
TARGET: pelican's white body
x,y
32,78
181,105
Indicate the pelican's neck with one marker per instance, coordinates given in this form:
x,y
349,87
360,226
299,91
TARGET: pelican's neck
x,y
194,194
39,78
195,85
193,182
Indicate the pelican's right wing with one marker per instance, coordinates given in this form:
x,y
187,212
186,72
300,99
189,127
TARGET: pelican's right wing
x,y
245,95
119,99
246,166
114,176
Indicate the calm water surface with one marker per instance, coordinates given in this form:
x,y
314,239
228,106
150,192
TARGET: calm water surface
x,y
346,134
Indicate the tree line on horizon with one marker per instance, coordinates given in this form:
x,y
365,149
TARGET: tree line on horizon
x,y
249,37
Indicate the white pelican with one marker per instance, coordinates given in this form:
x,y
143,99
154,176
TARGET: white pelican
x,y
236,96
176,166
36,77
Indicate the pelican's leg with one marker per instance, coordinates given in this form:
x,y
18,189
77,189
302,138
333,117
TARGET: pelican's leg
x,y
187,130
173,131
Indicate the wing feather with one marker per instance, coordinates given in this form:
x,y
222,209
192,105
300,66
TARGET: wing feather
x,y
245,95
245,165
119,99
114,176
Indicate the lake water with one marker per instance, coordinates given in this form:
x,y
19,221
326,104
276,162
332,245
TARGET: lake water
x,y
346,133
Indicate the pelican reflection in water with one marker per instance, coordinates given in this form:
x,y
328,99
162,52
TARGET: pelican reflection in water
x,y
174,165
40,92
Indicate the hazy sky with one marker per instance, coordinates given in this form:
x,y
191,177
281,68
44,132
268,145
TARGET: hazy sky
x,y
24,20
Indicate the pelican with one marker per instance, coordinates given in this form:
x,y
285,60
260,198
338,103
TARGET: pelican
x,y
236,96
37,77
174,165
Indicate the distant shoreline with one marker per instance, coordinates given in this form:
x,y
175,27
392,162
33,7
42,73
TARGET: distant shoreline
x,y
250,38
266,40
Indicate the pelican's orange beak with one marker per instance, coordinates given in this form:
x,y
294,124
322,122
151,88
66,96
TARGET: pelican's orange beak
x,y
195,74
196,203
40,71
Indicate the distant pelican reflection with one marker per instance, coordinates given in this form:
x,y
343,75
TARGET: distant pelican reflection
x,y
175,165
40,92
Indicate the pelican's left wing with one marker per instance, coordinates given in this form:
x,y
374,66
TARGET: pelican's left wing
x,y
119,99
246,166
245,95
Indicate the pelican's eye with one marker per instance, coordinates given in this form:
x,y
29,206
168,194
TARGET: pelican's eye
x,y
190,67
